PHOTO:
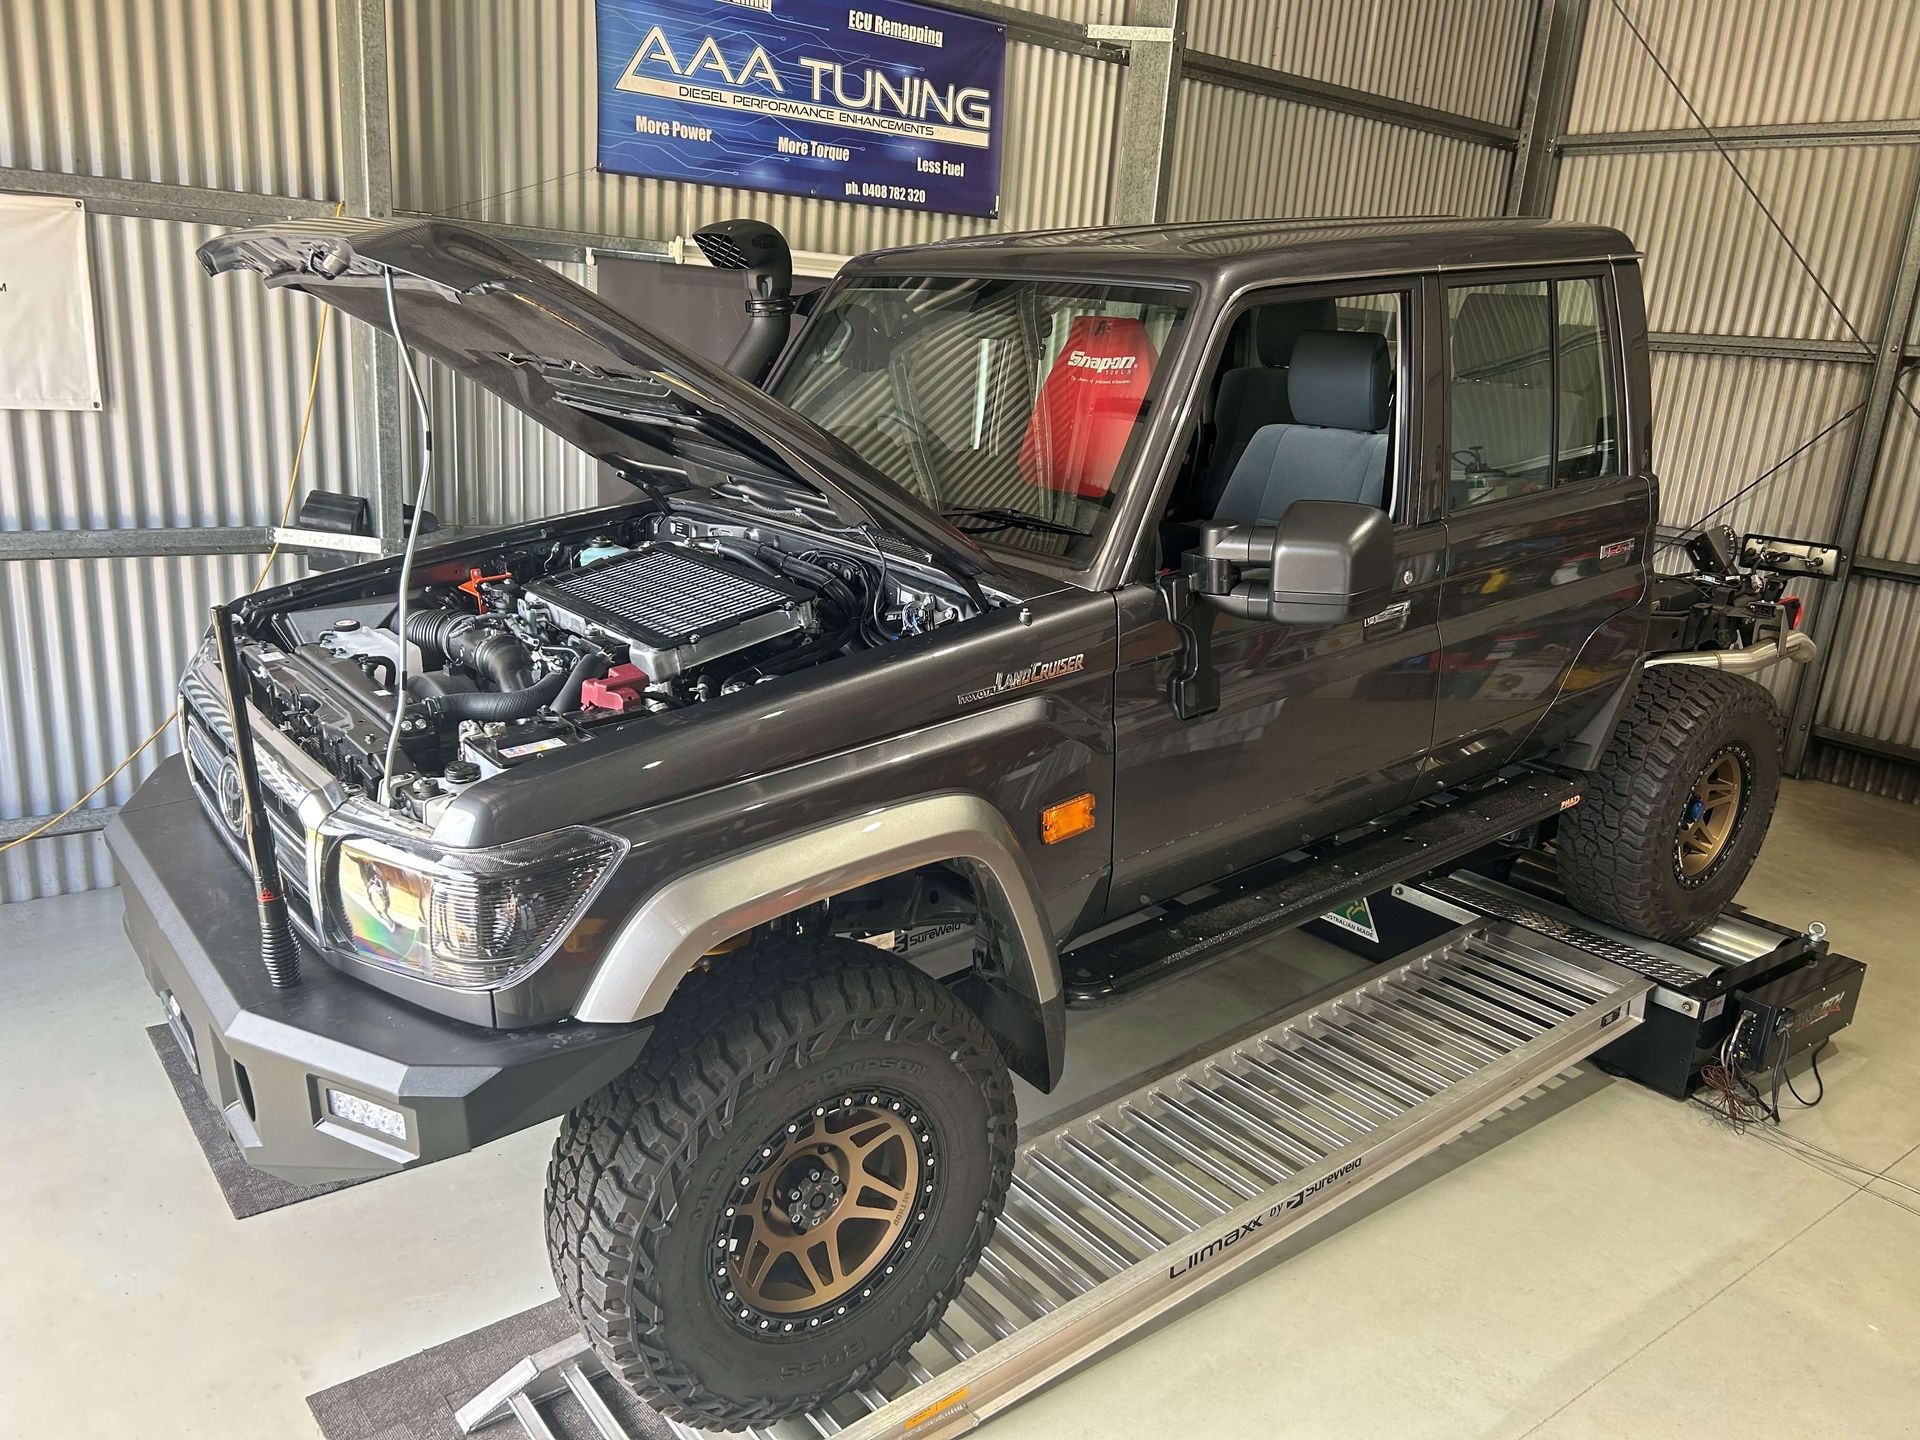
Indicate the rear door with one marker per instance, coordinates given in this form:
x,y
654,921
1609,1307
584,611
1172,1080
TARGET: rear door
x,y
1547,522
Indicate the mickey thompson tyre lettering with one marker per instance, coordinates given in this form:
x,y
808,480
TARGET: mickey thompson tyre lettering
x,y
787,1189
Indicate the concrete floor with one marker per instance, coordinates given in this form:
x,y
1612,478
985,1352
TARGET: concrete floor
x,y
1595,1262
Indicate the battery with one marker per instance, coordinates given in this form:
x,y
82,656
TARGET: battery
x,y
502,746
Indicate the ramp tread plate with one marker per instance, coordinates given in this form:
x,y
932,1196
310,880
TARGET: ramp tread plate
x,y
1154,1198
1618,952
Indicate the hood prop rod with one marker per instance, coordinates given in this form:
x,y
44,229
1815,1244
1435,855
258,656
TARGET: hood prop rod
x,y
279,952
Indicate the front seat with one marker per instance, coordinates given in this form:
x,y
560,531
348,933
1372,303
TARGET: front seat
x,y
1339,385
1252,396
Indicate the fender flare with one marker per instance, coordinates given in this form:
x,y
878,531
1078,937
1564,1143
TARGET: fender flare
x,y
1582,750
690,914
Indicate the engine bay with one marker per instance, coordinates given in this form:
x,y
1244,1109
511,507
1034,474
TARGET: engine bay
x,y
523,648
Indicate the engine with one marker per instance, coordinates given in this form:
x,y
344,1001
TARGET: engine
x,y
672,607
546,645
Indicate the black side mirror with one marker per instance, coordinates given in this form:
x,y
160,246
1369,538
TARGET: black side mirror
x,y
1326,561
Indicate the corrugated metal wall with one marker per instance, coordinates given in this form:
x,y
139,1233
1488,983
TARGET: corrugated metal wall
x,y
1720,420
1876,774
1754,62
227,94
1716,267
1880,697
94,650
1241,153
1892,528
486,126
205,381
1464,56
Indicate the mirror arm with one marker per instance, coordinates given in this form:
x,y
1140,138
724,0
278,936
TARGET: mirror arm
x,y
1248,599
1214,565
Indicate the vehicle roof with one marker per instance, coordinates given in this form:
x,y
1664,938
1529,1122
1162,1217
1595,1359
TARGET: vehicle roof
x,y
1226,254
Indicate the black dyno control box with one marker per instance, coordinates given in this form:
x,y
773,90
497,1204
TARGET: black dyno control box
x,y
1795,1012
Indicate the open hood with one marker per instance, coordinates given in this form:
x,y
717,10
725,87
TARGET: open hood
x,y
584,370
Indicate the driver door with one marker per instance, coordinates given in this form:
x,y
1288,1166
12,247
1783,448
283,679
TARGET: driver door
x,y
1317,726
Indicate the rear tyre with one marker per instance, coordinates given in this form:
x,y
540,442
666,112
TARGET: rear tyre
x,y
1673,816
787,1189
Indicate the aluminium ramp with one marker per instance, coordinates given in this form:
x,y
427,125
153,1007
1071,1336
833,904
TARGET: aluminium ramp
x,y
1125,1212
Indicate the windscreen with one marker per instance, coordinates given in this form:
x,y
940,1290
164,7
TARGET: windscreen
x,y
1013,407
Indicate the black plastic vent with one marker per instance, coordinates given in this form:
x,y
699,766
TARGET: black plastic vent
x,y
720,250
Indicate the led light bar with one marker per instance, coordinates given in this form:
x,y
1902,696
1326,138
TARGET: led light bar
x,y
352,1108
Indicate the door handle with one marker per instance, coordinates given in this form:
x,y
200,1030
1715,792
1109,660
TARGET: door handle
x,y
1390,621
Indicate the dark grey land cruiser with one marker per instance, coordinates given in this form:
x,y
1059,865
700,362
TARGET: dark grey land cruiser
x,y
1044,582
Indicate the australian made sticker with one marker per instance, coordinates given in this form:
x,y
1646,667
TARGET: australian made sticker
x,y
1356,916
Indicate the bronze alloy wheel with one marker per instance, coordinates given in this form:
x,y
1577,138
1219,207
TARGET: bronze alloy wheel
x,y
832,1199
1710,816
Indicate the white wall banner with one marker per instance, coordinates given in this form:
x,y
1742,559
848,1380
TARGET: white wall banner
x,y
49,357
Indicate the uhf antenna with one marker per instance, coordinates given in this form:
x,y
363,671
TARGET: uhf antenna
x,y
278,951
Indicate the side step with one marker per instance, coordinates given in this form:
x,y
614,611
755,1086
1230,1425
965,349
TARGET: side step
x,y
1281,896
1124,1212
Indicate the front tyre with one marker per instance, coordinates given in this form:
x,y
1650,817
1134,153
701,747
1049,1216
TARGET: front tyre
x,y
787,1189
1673,816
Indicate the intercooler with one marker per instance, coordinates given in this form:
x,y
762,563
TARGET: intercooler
x,y
673,607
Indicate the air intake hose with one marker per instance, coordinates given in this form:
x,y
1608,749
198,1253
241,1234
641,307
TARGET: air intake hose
x,y
592,665
500,705
496,656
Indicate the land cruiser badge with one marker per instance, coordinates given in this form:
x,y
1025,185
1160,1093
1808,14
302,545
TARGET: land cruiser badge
x,y
1027,675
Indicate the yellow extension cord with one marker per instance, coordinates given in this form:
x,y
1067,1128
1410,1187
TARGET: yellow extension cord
x,y
286,508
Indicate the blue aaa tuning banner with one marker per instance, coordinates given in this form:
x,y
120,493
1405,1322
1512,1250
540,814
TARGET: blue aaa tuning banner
x,y
884,101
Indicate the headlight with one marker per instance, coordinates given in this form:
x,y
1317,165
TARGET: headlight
x,y
475,919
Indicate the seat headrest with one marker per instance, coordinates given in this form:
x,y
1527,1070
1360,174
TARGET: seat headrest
x,y
1087,406
1277,327
1340,380
1497,329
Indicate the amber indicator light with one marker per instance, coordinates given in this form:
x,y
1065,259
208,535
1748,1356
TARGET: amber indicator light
x,y
938,1408
1067,819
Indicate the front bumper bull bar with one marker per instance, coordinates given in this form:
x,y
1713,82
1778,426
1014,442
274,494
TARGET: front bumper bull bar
x,y
267,1058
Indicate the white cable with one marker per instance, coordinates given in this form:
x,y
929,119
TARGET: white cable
x,y
413,539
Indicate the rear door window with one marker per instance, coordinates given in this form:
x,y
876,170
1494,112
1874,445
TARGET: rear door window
x,y
1583,385
1530,393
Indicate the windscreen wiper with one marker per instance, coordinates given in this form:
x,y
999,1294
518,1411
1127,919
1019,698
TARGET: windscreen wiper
x,y
1002,518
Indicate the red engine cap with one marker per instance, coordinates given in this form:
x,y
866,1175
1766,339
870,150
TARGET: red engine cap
x,y
619,690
